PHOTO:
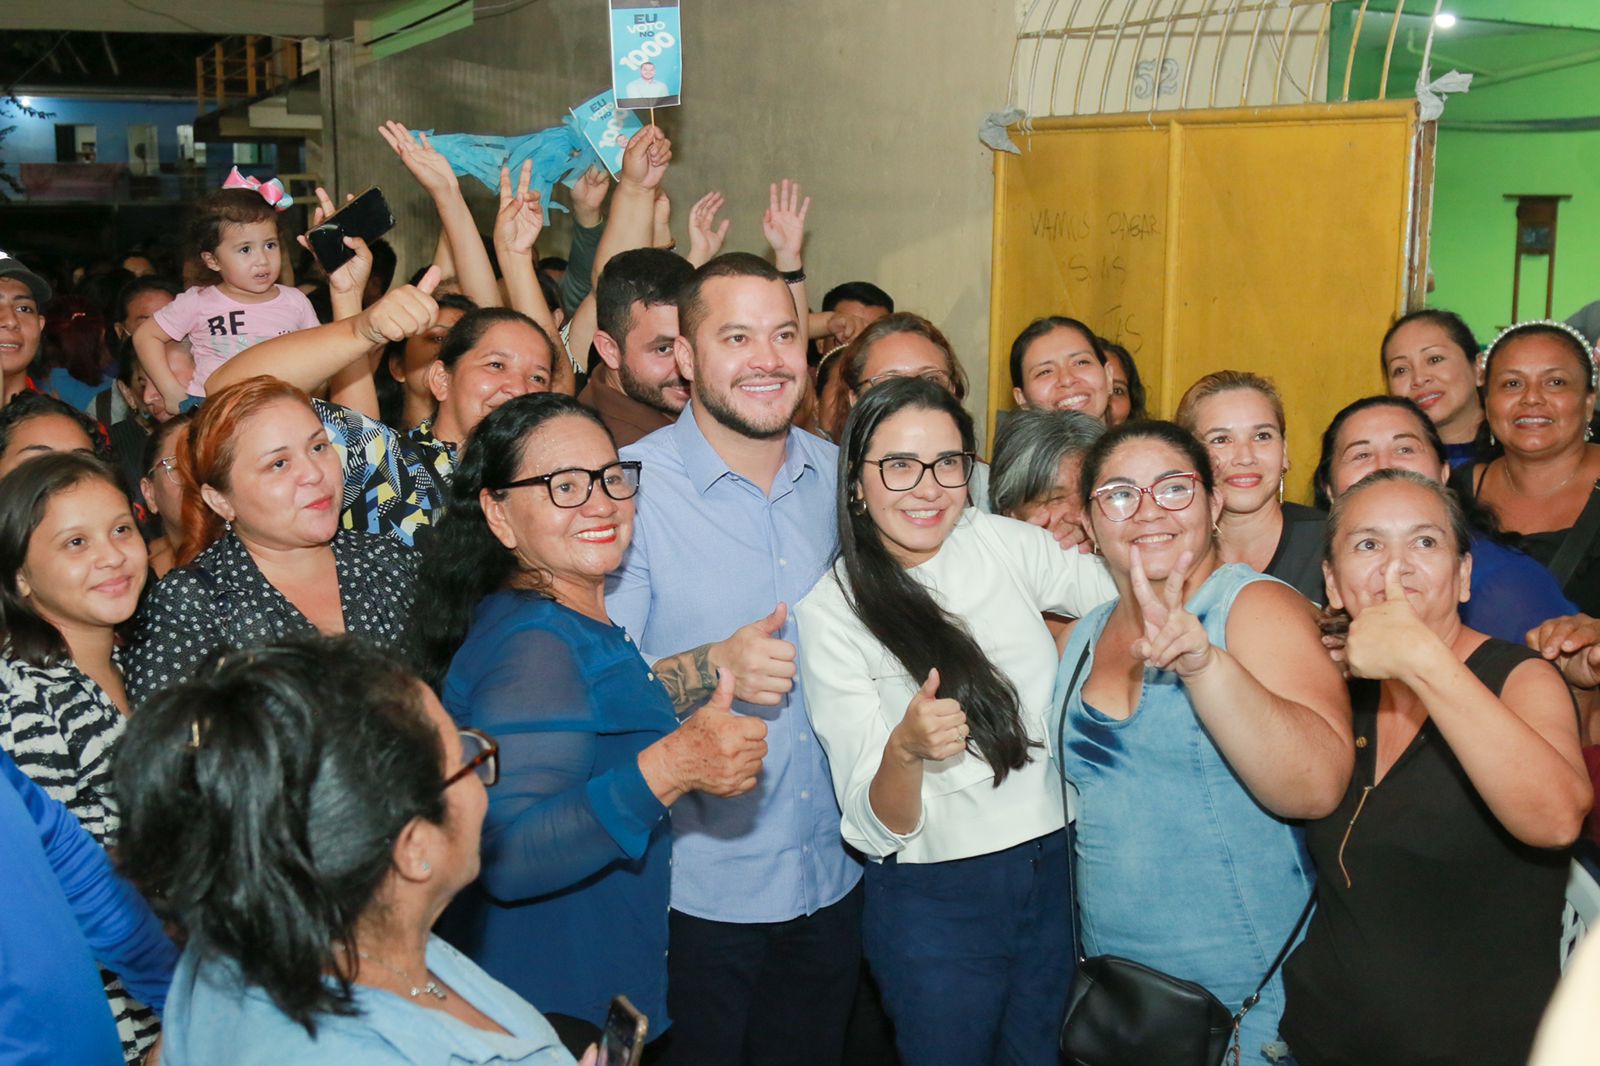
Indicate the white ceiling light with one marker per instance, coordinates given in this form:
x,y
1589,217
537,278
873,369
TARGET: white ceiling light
x,y
1444,20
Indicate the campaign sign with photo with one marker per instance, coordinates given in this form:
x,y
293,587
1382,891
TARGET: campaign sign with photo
x,y
607,128
646,54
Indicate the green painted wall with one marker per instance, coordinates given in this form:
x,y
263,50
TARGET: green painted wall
x,y
1474,226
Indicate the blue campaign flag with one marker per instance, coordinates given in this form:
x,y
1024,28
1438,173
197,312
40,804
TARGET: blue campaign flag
x,y
646,54
606,127
559,153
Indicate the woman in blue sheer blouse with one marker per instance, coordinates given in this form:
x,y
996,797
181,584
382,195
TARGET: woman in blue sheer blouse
x,y
571,907
1511,593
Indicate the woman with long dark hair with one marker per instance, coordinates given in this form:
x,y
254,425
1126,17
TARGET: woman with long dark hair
x,y
1058,364
577,847
304,812
1430,357
1202,721
927,674
72,566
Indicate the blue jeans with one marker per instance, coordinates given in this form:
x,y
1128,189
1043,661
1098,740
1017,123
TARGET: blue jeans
x,y
973,956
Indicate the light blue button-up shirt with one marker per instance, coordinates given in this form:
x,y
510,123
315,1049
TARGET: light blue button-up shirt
x,y
712,552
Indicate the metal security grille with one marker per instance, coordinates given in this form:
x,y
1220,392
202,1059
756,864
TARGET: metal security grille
x,y
1086,57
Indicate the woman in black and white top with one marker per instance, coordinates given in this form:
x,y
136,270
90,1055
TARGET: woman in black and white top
x,y
72,565
263,555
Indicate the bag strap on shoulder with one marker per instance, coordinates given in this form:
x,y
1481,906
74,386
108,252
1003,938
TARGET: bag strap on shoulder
x,y
1576,543
1072,891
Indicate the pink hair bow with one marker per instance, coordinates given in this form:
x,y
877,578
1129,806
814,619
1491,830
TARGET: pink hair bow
x,y
271,190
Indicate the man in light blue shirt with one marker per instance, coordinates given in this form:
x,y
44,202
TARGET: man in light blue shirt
x,y
736,516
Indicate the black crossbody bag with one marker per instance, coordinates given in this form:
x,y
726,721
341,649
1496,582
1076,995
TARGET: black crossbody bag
x,y
1124,1013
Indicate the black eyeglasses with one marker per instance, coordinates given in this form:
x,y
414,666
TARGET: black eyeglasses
x,y
573,486
481,755
1120,502
902,473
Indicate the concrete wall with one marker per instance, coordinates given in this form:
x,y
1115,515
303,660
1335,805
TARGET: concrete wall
x,y
873,107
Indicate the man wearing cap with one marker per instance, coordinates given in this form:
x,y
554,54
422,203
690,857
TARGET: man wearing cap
x,y
22,294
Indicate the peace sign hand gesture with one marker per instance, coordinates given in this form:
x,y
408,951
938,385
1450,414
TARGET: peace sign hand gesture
x,y
520,220
1173,638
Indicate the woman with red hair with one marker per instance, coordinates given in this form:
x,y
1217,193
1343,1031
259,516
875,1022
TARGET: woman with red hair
x,y
262,554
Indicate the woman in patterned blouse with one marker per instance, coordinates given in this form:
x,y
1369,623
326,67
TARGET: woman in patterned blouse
x,y
72,565
263,555
490,356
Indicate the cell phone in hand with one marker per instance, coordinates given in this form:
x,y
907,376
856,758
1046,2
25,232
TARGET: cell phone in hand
x,y
367,216
622,1043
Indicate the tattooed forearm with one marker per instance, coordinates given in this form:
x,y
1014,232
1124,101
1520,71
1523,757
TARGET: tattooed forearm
x,y
689,677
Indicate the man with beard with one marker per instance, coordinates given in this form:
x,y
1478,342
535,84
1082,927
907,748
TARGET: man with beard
x,y
735,521
639,389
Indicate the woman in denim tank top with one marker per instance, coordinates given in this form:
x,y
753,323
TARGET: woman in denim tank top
x,y
1205,716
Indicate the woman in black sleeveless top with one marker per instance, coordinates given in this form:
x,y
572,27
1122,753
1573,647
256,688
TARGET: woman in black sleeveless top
x,y
1440,876
1544,482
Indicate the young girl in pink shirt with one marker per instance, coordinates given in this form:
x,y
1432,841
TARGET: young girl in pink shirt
x,y
236,233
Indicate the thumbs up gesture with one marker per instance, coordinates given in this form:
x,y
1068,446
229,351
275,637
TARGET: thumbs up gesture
x,y
715,750
1387,637
761,662
933,728
402,312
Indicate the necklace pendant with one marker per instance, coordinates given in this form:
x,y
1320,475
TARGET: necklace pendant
x,y
434,990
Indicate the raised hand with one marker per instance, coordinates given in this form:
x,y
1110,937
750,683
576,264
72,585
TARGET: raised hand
x,y
761,662
1386,638
715,750
520,220
353,275
1070,534
784,223
705,234
589,197
933,729
645,159
1173,638
426,163
844,328
661,233
1571,642
401,313
1334,625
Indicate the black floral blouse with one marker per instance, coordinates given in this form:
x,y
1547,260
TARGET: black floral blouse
x,y
222,599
